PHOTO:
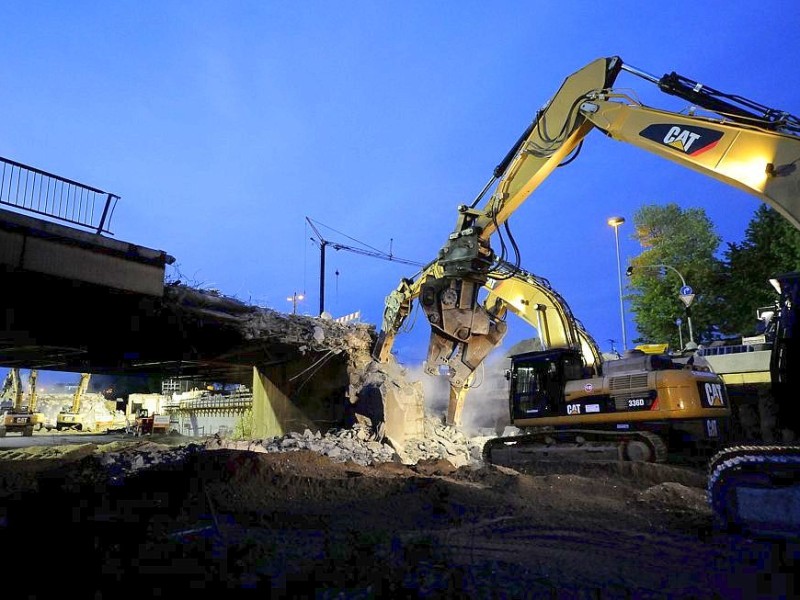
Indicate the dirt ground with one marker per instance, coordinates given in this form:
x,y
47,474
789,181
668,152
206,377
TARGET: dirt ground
x,y
161,516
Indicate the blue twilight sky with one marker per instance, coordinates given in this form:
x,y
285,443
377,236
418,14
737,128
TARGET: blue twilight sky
x,y
223,125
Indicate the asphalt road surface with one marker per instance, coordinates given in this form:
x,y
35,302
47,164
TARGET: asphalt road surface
x,y
60,438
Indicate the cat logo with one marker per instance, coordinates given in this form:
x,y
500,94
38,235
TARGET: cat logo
x,y
689,140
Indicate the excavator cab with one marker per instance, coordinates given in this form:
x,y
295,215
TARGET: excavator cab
x,y
537,381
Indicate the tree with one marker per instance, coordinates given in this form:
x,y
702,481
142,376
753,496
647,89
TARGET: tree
x,y
771,246
684,240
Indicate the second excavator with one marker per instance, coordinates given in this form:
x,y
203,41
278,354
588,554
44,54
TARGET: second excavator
x,y
73,418
20,417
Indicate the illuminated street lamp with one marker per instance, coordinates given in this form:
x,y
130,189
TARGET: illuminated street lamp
x,y
686,294
615,222
294,298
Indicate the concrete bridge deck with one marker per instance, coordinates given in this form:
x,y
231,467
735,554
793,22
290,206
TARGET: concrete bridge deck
x,y
77,301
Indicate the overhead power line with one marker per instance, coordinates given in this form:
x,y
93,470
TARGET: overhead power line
x,y
365,250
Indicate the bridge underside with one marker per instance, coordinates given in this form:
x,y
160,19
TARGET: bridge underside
x,y
81,302
60,325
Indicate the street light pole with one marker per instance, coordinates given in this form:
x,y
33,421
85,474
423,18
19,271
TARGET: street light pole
x,y
615,222
683,285
293,299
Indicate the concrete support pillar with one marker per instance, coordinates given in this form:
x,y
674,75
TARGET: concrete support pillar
x,y
273,413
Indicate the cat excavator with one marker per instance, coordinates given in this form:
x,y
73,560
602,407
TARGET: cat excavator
x,y
747,145
569,403
73,418
20,417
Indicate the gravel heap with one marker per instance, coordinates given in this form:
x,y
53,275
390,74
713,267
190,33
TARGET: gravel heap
x,y
442,441
358,445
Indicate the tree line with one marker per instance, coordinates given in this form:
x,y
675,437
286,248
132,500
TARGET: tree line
x,y
729,284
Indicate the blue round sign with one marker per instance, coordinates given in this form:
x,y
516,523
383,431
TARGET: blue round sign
x,y
686,291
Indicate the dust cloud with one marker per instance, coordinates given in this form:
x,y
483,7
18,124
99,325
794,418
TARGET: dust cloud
x,y
486,403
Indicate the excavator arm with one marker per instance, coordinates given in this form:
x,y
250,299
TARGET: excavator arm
x,y
32,394
758,161
533,299
8,384
463,332
83,384
18,393
742,143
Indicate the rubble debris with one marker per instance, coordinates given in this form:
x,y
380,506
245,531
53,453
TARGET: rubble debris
x,y
357,444
441,441
377,395
384,398
340,445
133,458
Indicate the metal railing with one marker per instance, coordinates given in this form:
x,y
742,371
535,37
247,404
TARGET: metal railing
x,y
43,193
212,401
737,349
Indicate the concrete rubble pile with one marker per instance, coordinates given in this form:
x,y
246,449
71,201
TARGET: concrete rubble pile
x,y
259,323
358,445
388,407
344,445
441,441
94,408
122,463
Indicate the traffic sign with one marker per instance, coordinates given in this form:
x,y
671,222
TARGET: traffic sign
x,y
687,299
687,291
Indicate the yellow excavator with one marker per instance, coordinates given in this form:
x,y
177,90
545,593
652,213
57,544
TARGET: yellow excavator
x,y
33,400
728,137
20,418
565,398
73,418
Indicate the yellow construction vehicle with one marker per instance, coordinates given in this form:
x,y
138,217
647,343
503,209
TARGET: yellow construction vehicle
x,y
639,407
73,418
737,141
147,423
18,418
9,385
39,421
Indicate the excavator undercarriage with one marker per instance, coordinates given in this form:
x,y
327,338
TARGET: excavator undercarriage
x,y
584,445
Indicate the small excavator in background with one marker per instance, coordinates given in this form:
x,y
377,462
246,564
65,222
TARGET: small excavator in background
x,y
73,418
20,418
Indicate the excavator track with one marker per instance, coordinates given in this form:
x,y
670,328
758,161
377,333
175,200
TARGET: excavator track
x,y
755,490
575,444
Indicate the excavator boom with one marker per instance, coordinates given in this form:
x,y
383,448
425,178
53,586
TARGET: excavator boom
x,y
83,384
18,418
74,418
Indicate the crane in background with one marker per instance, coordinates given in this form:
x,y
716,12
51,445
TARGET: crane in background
x,y
368,251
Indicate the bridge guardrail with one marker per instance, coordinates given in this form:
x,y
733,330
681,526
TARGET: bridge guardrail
x,y
33,190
